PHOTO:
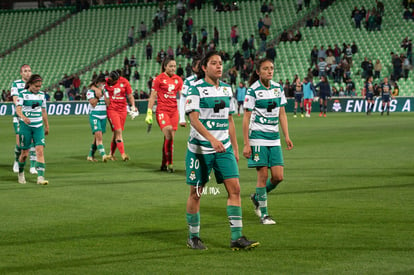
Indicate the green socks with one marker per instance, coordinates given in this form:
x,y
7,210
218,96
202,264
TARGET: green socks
x,y
235,218
92,150
270,186
193,221
17,152
101,150
21,166
40,167
261,197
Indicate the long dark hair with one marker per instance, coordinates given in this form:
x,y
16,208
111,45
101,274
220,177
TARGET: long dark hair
x,y
33,78
165,62
96,80
254,76
203,62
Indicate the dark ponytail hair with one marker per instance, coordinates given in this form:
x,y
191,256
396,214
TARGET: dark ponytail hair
x,y
96,80
203,62
254,76
165,62
33,78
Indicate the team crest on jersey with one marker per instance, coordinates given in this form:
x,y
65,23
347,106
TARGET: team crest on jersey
x,y
163,122
122,85
192,176
276,92
256,157
225,91
176,81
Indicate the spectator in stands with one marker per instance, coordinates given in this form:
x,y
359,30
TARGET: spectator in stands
x,y
148,51
234,35
4,96
323,22
405,66
348,54
354,48
264,8
350,87
322,67
314,56
189,24
180,8
330,59
161,56
76,82
131,33
180,23
143,29
180,71
316,22
149,83
58,96
397,67
377,69
270,7
143,95
267,21
126,61
67,83
407,15
136,94
380,7
216,36
271,52
298,36
137,76
309,22
299,5
132,61
322,53
170,52
194,41
233,76
186,38
364,67
338,73
335,92
357,16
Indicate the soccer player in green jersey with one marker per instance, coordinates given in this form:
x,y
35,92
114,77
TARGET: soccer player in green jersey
x,y
97,117
264,110
16,88
34,125
212,145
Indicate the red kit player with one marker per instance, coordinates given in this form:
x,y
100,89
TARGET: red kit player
x,y
117,91
164,89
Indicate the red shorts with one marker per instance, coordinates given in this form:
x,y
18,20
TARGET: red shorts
x,y
116,119
168,118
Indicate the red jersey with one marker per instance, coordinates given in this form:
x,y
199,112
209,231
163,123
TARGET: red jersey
x,y
117,94
167,89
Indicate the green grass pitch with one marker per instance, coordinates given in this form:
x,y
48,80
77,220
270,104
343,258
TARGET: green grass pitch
x,y
346,205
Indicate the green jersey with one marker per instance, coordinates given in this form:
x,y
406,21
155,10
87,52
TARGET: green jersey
x,y
99,111
32,106
214,106
188,82
16,88
265,106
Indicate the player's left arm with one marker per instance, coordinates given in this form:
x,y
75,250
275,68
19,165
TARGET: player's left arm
x,y
130,97
233,137
45,121
284,125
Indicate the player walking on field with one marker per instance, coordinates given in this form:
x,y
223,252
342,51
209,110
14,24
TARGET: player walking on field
x,y
188,82
213,145
308,95
298,97
165,88
97,117
34,125
385,96
264,111
16,88
369,94
117,90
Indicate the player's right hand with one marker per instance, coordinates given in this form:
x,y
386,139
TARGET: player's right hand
x,y
148,118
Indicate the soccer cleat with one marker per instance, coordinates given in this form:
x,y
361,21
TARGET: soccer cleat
x,y
125,157
105,158
33,171
295,116
91,159
320,114
243,243
170,168
196,243
163,168
15,167
256,205
301,115
267,220
41,181
21,179
324,115
382,113
112,157
307,115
